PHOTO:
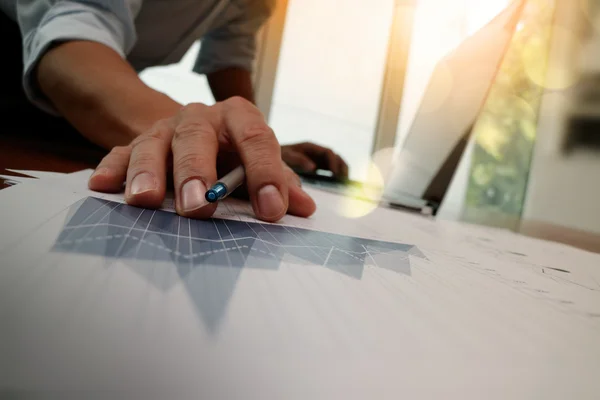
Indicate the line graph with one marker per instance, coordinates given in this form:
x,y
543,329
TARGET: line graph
x,y
216,249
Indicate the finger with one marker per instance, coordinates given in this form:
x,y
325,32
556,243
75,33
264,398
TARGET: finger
x,y
296,159
111,172
326,158
146,175
261,156
195,147
332,162
301,204
311,148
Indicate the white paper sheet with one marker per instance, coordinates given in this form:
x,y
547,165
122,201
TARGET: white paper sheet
x,y
101,296
38,174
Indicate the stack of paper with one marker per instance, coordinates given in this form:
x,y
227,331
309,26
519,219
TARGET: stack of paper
x,y
100,297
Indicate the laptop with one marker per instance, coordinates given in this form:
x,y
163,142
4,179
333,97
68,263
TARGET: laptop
x,y
425,164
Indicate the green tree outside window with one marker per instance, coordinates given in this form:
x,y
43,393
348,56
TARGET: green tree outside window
x,y
505,132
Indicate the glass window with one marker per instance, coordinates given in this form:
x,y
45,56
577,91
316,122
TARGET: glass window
x,y
439,27
506,130
330,75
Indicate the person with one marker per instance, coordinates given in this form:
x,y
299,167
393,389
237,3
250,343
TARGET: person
x,y
81,58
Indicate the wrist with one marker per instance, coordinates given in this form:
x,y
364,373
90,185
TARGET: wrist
x,y
137,110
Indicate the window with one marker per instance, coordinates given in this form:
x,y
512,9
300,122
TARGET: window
x,y
506,130
330,75
439,27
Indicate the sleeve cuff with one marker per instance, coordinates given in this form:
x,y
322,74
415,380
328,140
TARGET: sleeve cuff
x,y
234,45
81,24
216,55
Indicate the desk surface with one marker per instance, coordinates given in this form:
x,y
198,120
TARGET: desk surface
x,y
69,153
46,153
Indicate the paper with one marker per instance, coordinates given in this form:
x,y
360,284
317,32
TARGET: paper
x,y
97,294
15,179
31,175
38,174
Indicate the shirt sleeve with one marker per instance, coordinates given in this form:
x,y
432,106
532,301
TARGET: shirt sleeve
x,y
43,23
233,43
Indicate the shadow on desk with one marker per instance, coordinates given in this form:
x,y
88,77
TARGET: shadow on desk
x,y
46,143
29,137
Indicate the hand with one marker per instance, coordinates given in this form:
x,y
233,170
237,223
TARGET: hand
x,y
309,156
196,141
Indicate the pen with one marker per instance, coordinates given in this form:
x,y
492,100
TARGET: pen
x,y
226,185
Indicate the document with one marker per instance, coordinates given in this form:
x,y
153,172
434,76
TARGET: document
x,y
98,296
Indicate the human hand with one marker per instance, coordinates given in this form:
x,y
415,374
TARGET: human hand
x,y
309,156
196,142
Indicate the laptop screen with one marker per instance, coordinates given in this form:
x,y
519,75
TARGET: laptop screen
x,y
445,117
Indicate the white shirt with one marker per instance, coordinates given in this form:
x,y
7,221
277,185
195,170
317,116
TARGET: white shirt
x,y
145,32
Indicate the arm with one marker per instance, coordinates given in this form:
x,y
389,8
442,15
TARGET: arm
x,y
74,65
230,82
103,97
227,53
226,58
99,93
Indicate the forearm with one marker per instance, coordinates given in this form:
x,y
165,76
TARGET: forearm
x,y
230,82
99,93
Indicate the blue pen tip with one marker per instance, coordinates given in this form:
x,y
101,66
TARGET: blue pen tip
x,y
211,196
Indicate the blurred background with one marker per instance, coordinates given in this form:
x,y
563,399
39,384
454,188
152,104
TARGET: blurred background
x,y
352,77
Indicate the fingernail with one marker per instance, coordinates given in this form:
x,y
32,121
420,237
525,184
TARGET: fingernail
x,y
100,171
270,202
192,195
142,183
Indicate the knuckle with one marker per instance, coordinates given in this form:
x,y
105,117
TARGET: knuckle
x,y
263,167
117,159
161,128
257,134
159,125
237,102
143,159
188,163
159,131
119,151
157,134
147,140
195,108
191,129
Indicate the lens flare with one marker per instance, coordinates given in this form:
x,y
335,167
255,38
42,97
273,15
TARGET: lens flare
x,y
493,132
553,74
362,200
384,160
